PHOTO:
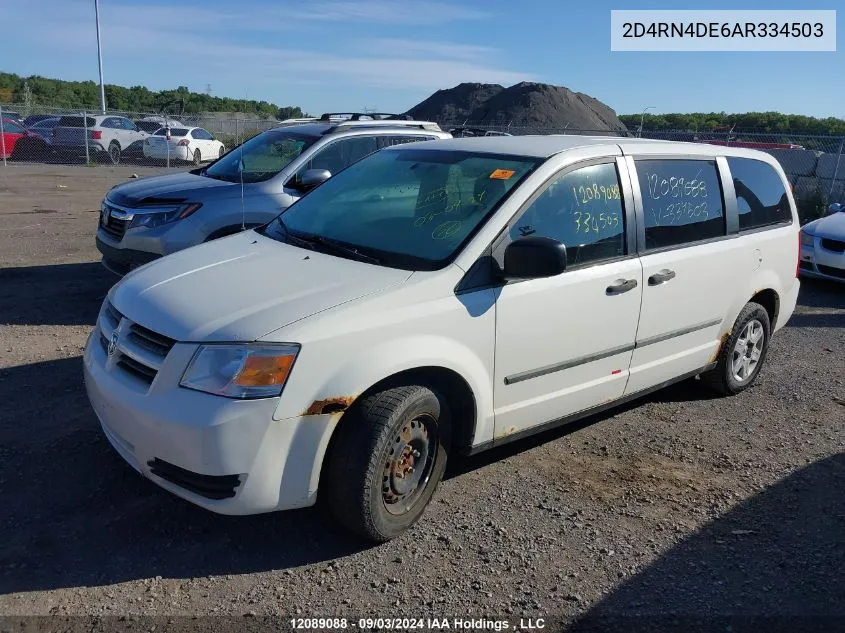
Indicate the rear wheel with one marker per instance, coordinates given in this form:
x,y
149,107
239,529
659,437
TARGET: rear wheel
x,y
387,461
222,151
197,157
114,152
742,355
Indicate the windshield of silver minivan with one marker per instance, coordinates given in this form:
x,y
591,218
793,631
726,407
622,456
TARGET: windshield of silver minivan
x,y
406,208
261,157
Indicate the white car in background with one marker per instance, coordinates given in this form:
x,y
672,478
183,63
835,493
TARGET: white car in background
x,y
823,246
190,144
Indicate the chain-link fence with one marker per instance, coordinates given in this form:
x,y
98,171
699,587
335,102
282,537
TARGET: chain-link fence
x,y
45,134
814,164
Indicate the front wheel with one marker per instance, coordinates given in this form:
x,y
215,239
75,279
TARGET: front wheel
x,y
741,357
387,461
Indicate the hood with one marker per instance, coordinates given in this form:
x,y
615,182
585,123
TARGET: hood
x,y
832,226
182,187
242,287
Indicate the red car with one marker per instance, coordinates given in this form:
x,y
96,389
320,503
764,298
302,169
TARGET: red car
x,y
15,136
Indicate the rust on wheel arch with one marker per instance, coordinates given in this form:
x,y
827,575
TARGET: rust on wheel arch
x,y
336,404
722,342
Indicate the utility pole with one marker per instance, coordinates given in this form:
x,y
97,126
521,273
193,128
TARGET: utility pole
x,y
642,116
100,58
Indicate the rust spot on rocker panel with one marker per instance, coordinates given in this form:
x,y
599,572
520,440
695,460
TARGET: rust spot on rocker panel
x,y
722,342
508,431
329,405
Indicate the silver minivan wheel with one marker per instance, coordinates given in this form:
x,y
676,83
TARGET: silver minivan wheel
x,y
747,351
742,355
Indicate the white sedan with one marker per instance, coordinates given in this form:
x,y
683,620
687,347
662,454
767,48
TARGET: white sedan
x,y
823,246
191,144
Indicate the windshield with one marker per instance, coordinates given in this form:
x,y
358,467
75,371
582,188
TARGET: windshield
x,y
261,157
409,208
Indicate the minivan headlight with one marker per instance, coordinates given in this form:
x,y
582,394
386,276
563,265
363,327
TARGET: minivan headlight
x,y
240,370
156,217
806,239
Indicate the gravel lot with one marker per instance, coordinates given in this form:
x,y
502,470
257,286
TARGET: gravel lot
x,y
678,504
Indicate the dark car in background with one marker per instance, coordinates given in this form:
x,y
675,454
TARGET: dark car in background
x,y
34,119
44,127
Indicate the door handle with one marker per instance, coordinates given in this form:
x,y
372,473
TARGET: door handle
x,y
662,277
621,285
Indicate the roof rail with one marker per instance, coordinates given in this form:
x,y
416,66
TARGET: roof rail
x,y
348,125
358,116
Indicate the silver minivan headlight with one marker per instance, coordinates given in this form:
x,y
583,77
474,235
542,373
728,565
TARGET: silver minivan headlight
x,y
250,370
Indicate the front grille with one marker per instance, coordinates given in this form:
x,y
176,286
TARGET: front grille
x,y
149,340
833,272
837,246
140,352
208,486
115,227
139,370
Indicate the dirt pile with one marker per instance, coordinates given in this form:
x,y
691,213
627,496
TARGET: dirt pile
x,y
526,104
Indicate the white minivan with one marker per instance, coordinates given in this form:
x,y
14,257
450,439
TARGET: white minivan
x,y
439,298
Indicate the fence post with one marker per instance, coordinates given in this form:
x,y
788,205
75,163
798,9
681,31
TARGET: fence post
x,y
835,171
237,132
2,137
85,125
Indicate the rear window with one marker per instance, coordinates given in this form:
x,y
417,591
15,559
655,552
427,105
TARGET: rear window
x,y
147,126
682,201
761,198
77,121
174,131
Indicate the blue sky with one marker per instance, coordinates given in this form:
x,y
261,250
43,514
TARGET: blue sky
x,y
390,54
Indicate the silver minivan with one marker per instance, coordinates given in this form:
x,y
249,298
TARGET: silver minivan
x,y
144,219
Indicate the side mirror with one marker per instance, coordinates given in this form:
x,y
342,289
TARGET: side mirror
x,y
533,257
313,177
834,208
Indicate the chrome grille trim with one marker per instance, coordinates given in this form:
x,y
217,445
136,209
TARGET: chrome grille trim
x,y
140,351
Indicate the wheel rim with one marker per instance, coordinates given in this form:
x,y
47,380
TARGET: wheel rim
x,y
114,152
221,152
197,157
409,464
748,351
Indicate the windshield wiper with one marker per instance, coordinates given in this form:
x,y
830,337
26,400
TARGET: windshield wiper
x,y
329,245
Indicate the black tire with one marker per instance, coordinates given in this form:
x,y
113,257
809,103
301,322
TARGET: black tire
x,y
373,482
197,158
723,378
222,151
114,153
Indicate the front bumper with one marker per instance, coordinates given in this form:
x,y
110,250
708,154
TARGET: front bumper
x,y
821,263
260,464
121,260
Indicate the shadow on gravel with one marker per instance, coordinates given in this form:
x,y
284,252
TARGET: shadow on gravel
x,y
75,514
774,563
63,294
821,293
